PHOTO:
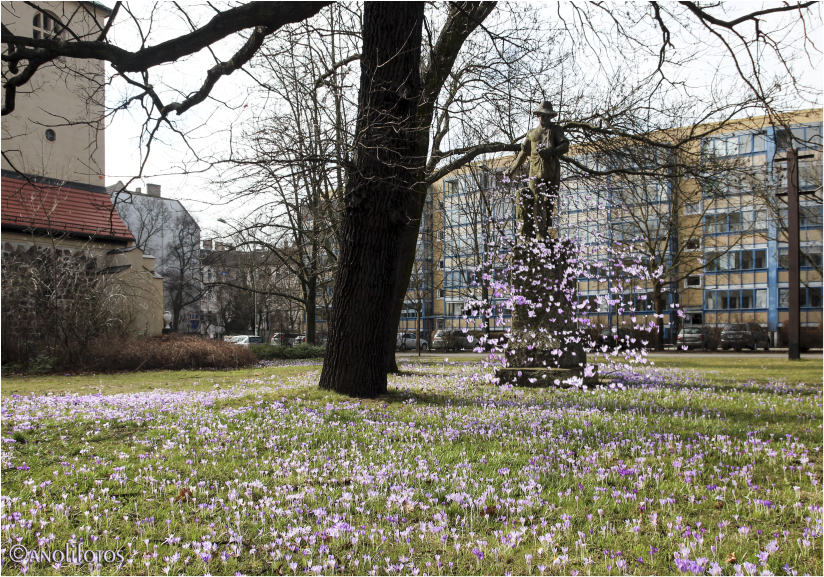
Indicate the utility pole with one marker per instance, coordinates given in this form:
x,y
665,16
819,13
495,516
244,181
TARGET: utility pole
x,y
794,252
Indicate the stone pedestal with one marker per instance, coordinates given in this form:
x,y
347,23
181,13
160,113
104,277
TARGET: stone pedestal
x,y
544,342
539,377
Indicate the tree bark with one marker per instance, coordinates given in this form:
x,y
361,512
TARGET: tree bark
x,y
462,21
378,199
311,306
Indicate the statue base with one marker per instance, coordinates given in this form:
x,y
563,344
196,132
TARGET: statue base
x,y
543,376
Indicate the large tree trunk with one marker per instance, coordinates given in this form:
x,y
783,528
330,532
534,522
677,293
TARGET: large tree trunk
x,y
406,262
378,199
463,20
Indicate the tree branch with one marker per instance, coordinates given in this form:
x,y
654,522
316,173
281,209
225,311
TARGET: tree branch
x,y
263,16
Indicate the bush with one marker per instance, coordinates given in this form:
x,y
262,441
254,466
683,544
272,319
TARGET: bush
x,y
164,352
811,336
303,351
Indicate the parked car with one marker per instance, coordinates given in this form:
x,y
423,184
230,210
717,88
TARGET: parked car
x,y
299,340
698,337
246,340
283,339
406,341
451,340
740,335
613,338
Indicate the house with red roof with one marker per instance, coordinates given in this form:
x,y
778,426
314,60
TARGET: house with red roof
x,y
53,162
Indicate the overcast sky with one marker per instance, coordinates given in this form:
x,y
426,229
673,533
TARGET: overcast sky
x,y
210,126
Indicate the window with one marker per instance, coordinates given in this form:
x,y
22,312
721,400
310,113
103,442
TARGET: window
x,y
454,309
692,208
441,264
809,216
440,293
783,298
736,222
729,299
45,26
810,257
761,299
783,139
441,235
736,299
692,281
759,142
815,297
807,297
745,143
692,244
740,260
760,258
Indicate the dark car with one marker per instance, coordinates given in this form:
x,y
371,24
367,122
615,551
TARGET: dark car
x,y
450,340
740,335
699,337
613,338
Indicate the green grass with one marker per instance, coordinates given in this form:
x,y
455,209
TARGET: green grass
x,y
742,368
112,384
258,465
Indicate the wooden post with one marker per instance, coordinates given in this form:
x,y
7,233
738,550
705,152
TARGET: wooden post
x,y
794,249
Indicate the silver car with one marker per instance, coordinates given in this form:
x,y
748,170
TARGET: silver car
x,y
246,340
406,341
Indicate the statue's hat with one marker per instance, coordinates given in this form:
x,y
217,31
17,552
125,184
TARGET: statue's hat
x,y
545,109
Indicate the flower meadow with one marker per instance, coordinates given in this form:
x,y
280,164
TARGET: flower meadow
x,y
658,472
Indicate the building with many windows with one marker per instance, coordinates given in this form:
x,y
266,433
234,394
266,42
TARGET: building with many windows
x,y
718,231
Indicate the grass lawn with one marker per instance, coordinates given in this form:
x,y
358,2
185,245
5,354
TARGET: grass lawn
x,y
743,368
699,466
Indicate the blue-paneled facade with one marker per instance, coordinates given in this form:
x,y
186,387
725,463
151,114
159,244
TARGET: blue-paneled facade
x,y
739,241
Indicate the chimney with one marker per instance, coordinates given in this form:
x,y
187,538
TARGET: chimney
x,y
218,245
153,190
207,245
138,189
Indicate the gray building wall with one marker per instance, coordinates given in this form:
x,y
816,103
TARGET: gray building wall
x,y
163,228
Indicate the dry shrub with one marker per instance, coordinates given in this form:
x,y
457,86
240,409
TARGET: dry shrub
x,y
165,352
811,336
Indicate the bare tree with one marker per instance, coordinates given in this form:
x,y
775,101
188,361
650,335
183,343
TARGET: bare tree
x,y
146,219
476,212
181,269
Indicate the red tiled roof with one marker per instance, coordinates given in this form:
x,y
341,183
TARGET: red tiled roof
x,y
60,209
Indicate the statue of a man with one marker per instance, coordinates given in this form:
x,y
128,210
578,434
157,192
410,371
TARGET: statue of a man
x,y
543,146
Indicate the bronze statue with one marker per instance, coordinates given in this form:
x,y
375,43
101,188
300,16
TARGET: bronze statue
x,y
545,346
543,146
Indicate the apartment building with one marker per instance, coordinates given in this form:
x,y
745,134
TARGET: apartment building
x,y
719,233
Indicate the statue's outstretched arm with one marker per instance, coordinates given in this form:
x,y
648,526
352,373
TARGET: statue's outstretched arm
x,y
522,156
